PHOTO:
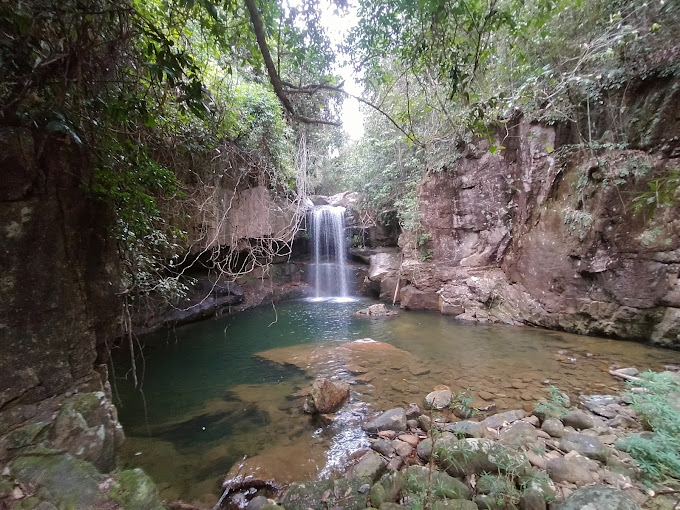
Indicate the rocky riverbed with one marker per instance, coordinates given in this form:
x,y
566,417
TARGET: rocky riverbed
x,y
442,454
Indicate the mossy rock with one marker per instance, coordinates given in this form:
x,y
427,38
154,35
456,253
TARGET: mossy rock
x,y
377,495
24,436
443,485
343,493
62,480
454,504
134,490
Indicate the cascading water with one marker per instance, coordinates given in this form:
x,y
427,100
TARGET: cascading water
x,y
330,260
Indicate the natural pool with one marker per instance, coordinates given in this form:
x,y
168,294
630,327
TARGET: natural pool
x,y
218,390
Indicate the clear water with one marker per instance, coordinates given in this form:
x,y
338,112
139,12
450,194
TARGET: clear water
x,y
219,390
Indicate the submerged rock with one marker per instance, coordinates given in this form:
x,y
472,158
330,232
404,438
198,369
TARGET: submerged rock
x,y
379,310
327,396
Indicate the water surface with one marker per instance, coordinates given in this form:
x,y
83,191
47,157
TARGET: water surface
x,y
218,390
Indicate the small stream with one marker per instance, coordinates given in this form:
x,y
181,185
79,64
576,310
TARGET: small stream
x,y
218,390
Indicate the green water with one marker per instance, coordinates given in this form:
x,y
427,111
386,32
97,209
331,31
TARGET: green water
x,y
208,399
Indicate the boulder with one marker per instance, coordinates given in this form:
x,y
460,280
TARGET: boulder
x,y
519,434
438,399
394,419
371,465
599,497
415,299
585,445
379,310
579,420
572,469
553,426
499,420
301,496
465,428
327,396
135,490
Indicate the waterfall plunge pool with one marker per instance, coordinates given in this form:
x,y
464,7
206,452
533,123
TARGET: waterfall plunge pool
x,y
218,390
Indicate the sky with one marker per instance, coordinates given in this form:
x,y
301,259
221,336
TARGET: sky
x,y
337,28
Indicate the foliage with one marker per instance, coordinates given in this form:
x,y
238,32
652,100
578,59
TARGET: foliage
x,y
555,407
656,401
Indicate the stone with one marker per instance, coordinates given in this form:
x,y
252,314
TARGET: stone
x,y
257,503
461,457
454,504
328,396
486,502
411,439
599,497
574,469
394,419
135,490
465,428
401,448
519,434
443,485
377,494
579,420
378,310
485,395
383,447
623,421
61,479
343,491
585,445
499,420
413,412
532,500
438,399
370,465
391,506
425,422
412,424
632,371
553,426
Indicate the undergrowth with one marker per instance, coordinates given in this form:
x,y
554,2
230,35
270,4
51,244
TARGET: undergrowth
x,y
658,405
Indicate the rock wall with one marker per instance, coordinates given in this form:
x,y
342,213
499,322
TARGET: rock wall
x,y
58,305
544,233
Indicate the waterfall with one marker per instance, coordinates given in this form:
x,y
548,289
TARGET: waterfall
x,y
330,258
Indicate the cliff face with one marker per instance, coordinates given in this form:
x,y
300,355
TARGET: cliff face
x,y
545,233
58,305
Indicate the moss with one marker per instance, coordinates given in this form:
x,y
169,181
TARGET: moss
x,y
25,436
134,490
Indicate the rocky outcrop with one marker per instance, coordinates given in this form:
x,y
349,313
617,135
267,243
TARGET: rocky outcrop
x,y
540,233
58,305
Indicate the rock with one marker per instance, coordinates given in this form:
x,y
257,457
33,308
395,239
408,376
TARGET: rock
x,y
377,494
379,310
87,426
486,502
600,498
344,491
327,396
412,424
519,434
465,428
632,371
387,434
623,421
257,503
383,447
485,395
532,500
413,299
585,445
411,439
460,457
454,504
443,485
572,469
61,479
579,420
371,466
135,490
391,506
553,426
438,399
499,420
394,419
425,422
401,448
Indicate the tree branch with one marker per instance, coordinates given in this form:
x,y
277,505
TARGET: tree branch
x,y
313,89
274,77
